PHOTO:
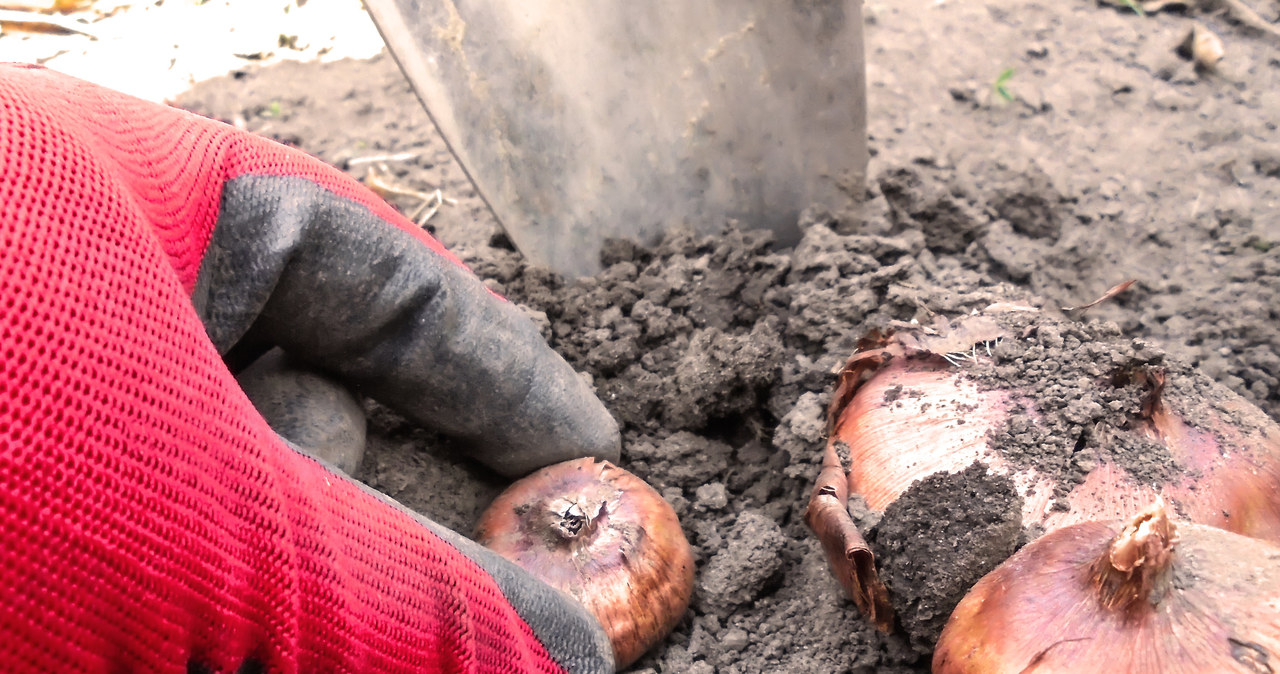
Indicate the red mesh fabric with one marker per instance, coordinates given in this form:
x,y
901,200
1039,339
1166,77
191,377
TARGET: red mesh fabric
x,y
169,166
147,514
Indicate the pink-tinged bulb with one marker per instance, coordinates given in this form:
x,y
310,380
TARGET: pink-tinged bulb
x,y
604,536
1142,596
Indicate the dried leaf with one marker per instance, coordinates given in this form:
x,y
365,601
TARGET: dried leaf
x,y
957,336
1077,312
847,552
46,6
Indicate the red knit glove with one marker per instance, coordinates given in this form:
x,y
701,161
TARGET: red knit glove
x,y
149,518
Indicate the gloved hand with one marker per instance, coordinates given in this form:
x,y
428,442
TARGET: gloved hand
x,y
150,519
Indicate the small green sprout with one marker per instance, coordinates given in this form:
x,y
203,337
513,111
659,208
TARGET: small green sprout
x,y
1002,85
1137,9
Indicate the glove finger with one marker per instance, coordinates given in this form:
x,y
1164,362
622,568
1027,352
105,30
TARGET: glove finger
x,y
330,281
311,411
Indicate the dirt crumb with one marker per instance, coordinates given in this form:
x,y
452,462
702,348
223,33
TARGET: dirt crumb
x,y
1081,377
746,567
942,535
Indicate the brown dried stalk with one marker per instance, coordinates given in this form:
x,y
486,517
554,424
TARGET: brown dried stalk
x,y
1137,560
851,560
1078,312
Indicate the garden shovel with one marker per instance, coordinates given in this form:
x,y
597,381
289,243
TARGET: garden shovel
x,y
584,120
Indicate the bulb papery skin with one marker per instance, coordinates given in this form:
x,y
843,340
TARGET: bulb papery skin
x,y
944,425
918,415
605,537
941,427
1233,466
1212,604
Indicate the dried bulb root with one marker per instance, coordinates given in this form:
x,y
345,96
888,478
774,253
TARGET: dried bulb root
x,y
600,534
1137,596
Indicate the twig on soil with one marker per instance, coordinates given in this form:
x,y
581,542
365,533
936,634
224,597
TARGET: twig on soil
x,y
1078,312
1237,10
1246,15
428,209
379,181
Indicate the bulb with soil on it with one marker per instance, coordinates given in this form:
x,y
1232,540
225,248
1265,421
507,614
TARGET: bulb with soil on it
x,y
1046,423
1145,596
605,537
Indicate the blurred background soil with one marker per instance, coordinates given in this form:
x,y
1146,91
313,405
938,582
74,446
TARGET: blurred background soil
x,y
1039,150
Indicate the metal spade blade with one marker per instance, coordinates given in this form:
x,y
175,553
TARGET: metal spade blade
x,y
583,120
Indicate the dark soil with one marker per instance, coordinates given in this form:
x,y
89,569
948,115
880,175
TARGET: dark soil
x,y
973,513
1114,160
1086,387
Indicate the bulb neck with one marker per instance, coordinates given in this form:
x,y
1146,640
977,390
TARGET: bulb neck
x,y
1133,571
571,520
